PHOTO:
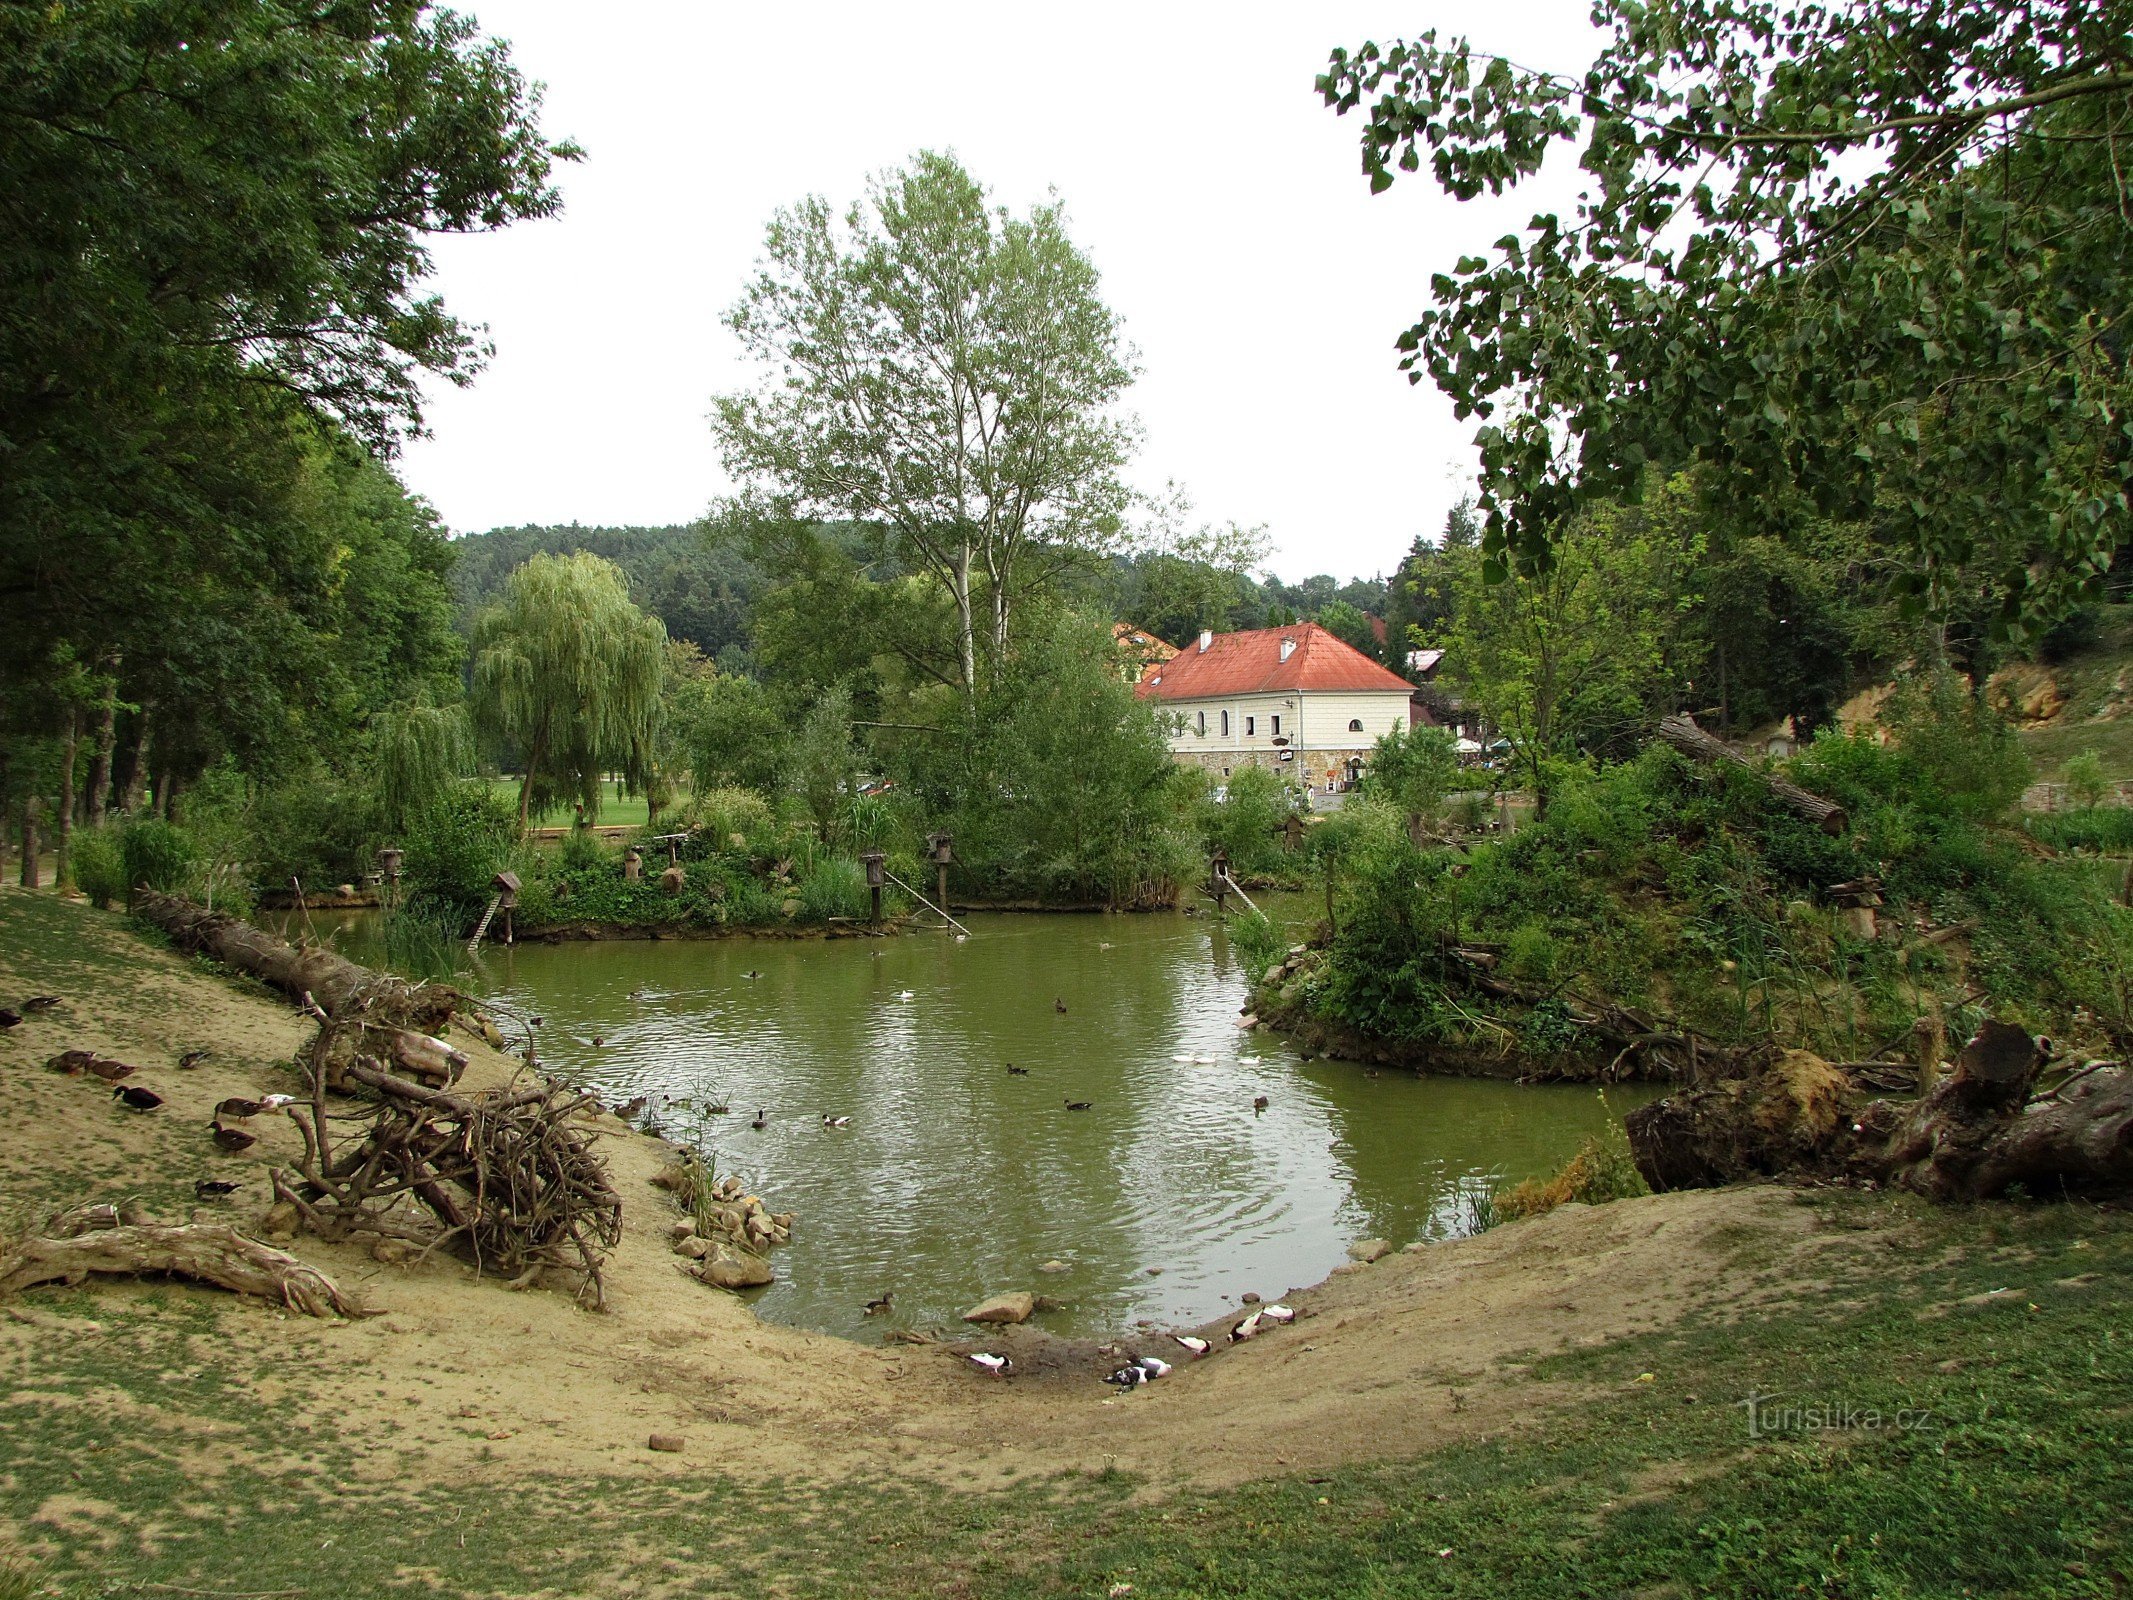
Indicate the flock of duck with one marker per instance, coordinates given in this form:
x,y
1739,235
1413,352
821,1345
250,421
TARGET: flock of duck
x,y
1145,1369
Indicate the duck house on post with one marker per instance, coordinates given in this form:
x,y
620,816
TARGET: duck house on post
x,y
938,843
507,886
876,863
1218,875
389,860
633,865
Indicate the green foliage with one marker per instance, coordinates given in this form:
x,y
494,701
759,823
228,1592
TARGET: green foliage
x,y
156,855
2106,830
420,750
726,816
1259,942
424,937
822,765
457,846
568,672
100,866
1249,822
1871,271
833,887
1966,749
1412,769
2086,784
317,828
942,371
739,738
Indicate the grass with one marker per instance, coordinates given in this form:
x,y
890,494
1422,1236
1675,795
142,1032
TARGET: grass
x,y
2009,1476
616,811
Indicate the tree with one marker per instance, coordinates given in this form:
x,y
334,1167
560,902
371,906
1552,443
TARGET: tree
x,y
1412,770
568,672
1868,261
943,372
1576,655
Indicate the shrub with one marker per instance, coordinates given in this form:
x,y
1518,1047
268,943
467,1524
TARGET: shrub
x,y
2104,829
99,866
459,844
1600,1171
1259,942
583,851
834,887
2086,785
156,855
319,829
422,938
717,816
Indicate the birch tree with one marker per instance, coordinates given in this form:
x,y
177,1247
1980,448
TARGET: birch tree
x,y
944,371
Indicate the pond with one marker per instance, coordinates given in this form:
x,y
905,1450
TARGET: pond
x,y
1166,1200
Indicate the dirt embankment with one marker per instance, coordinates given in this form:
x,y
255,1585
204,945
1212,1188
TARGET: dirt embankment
x,y
456,1375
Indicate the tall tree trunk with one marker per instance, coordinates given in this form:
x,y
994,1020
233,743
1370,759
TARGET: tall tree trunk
x,y
99,788
525,788
137,774
64,876
965,623
29,841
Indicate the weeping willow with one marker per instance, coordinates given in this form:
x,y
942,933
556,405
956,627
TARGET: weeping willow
x,y
567,672
419,749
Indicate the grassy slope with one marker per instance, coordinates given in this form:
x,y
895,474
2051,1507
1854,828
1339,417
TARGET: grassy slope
x,y
2095,684
1644,1482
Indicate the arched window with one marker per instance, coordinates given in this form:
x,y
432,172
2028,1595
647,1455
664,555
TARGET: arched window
x,y
1200,724
1355,724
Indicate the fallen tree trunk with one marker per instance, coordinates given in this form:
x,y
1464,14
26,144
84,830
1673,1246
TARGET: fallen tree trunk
x,y
1976,1136
337,985
1682,733
75,1244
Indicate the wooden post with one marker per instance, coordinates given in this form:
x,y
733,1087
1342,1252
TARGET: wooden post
x,y
873,861
941,858
1218,872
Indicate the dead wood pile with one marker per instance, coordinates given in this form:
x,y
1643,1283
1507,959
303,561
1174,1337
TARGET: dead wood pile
x,y
1982,1132
506,1177
73,1244
1682,733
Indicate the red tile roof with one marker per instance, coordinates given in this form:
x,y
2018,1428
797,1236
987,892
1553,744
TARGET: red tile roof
x,y
1250,663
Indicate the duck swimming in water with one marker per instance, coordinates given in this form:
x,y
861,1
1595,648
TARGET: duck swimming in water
x,y
829,1121
761,1122
882,1305
1014,1071
1080,1105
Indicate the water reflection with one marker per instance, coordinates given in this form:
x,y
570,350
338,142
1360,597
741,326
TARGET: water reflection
x,y
957,1178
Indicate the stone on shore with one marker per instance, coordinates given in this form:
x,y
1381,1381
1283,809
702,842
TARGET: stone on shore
x,y
1368,1250
729,1268
1015,1307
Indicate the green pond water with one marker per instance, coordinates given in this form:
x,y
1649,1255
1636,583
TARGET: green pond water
x,y
1167,1200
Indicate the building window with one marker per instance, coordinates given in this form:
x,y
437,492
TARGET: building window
x,y
1277,724
1355,724
1225,772
1250,726
1225,724
1200,724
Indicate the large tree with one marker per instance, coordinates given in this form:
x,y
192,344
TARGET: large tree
x,y
945,372
1870,260
568,673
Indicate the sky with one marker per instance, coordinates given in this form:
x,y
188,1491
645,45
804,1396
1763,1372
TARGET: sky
x,y
1259,280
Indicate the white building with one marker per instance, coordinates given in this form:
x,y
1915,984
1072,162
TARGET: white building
x,y
1294,699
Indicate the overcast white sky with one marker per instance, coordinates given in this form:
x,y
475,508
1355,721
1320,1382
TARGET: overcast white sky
x,y
1261,282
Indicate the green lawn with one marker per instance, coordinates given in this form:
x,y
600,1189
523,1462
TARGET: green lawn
x,y
1985,1453
616,811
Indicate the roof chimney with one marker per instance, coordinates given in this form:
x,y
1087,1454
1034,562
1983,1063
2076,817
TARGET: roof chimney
x,y
1288,648
1207,637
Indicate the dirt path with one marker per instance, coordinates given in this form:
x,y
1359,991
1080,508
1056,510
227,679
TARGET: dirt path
x,y
1385,1361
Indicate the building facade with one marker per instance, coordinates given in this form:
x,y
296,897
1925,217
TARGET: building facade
x,y
1296,700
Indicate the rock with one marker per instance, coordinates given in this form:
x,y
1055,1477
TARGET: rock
x,y
392,1251
682,1229
1015,1307
790,908
491,1034
727,1268
1296,951
1369,1250
1055,1266
673,880
692,1247
1249,1298
1248,1020
279,1221
1045,1302
675,1179
669,1443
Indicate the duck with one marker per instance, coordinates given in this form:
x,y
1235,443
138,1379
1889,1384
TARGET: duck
x,y
10,1017
240,1109
1197,1346
216,1188
274,1102
761,1122
1059,1006
829,1121
1245,1329
630,1108
1014,1071
191,1059
72,1062
998,1366
882,1304
233,1140
718,1110
1154,1366
751,975
1128,1377
598,1042
1081,1105
1278,1314
1259,1103
136,1098
110,1071
640,995
905,994
40,1002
